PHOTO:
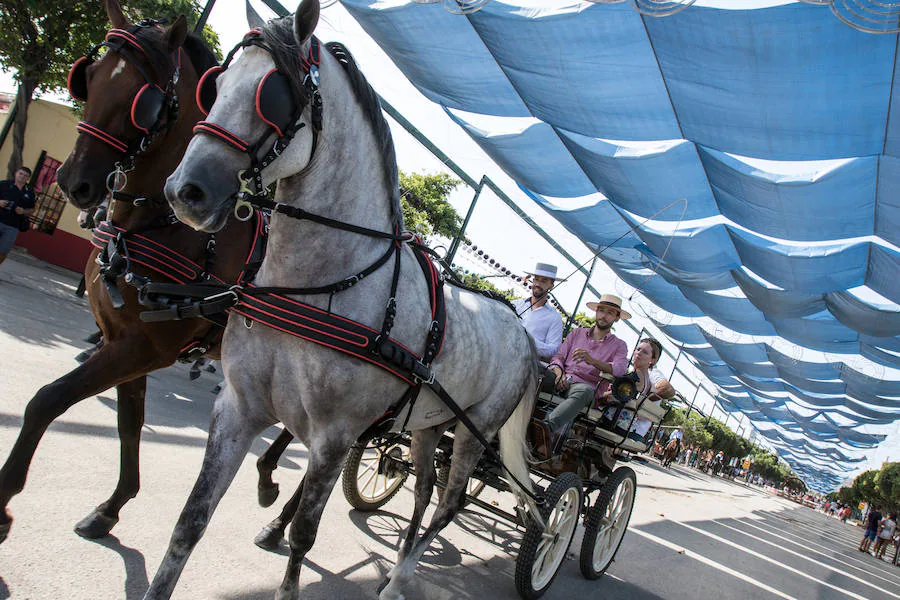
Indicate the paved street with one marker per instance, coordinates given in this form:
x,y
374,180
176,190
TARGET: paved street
x,y
691,536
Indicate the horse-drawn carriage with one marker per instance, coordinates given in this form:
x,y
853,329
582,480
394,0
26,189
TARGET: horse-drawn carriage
x,y
579,481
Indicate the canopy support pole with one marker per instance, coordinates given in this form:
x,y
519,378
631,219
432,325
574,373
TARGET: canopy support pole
x,y
454,246
584,288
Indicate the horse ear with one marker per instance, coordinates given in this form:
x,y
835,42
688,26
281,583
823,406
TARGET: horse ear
x,y
305,20
253,19
116,16
177,33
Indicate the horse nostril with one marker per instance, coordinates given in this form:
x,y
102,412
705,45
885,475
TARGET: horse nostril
x,y
191,194
82,192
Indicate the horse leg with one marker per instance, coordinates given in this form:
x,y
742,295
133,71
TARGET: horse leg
x,y
269,538
466,452
267,490
424,443
322,471
114,363
231,433
130,419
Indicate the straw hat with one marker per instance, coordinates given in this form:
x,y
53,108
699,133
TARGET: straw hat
x,y
610,300
543,270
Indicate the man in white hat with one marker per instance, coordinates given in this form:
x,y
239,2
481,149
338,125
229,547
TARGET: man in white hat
x,y
542,322
586,353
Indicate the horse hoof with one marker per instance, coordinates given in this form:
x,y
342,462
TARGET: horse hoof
x,y
95,525
267,494
269,538
4,531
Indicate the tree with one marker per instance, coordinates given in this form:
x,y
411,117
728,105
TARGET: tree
x,y
584,321
865,489
887,483
848,497
480,283
40,39
425,207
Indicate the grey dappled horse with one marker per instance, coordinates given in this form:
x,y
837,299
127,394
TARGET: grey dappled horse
x,y
325,398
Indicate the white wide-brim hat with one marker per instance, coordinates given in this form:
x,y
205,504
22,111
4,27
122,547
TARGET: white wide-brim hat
x,y
543,270
610,300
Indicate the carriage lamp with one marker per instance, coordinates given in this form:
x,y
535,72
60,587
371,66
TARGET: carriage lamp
x,y
623,389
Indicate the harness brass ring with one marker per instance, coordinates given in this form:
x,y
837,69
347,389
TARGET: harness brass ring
x,y
241,205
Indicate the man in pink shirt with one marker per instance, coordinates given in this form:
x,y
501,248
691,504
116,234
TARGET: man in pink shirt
x,y
578,364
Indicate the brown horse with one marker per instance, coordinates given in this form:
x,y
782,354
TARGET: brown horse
x,y
671,452
138,119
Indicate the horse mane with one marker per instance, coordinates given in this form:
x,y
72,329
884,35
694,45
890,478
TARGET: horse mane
x,y
201,55
371,106
160,60
279,37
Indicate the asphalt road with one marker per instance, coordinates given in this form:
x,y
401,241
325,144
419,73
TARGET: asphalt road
x,y
691,536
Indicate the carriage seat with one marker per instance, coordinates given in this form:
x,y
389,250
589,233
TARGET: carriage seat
x,y
651,411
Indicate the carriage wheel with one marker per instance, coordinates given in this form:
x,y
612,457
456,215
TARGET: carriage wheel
x,y
474,486
607,522
543,550
373,473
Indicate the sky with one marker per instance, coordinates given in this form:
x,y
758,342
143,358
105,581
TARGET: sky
x,y
494,227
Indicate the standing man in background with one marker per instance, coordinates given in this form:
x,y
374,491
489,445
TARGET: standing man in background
x,y
542,322
16,205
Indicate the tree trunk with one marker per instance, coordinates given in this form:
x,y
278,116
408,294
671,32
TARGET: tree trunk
x,y
23,99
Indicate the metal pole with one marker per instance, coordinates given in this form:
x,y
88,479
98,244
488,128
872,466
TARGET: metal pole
x,y
580,297
454,246
675,366
276,6
696,391
204,16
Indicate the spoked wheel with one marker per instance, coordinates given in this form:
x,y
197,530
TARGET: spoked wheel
x,y
543,550
473,488
606,522
374,472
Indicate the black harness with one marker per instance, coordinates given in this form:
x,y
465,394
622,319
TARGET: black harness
x,y
272,306
279,104
154,108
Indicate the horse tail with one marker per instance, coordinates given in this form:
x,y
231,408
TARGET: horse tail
x,y
514,449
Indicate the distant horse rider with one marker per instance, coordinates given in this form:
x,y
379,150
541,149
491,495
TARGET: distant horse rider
x,y
577,366
542,322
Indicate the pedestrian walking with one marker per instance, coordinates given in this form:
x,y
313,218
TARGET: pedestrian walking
x,y
872,522
885,534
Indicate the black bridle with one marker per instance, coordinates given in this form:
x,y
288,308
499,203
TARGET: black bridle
x,y
281,114
154,108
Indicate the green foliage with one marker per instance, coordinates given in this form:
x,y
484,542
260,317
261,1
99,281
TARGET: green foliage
x,y
425,207
584,321
40,39
848,496
794,483
865,489
480,283
887,484
693,427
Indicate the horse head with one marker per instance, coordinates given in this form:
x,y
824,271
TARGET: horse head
x,y
264,114
137,92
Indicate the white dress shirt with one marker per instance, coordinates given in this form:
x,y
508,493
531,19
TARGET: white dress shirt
x,y
544,325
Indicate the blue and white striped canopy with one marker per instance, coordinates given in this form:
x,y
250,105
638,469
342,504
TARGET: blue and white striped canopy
x,y
741,160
